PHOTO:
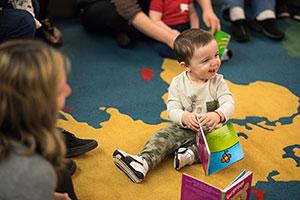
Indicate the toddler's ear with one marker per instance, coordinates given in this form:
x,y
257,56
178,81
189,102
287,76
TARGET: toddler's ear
x,y
182,64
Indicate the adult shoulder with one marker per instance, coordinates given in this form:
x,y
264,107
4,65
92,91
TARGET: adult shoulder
x,y
27,177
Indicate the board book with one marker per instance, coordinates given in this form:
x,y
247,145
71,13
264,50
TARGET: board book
x,y
195,189
219,148
222,39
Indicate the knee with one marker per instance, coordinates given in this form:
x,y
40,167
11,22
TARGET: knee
x,y
98,16
16,23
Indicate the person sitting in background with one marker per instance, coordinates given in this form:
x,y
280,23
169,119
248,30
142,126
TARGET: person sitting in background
x,y
264,19
39,10
124,18
177,16
19,23
32,151
173,16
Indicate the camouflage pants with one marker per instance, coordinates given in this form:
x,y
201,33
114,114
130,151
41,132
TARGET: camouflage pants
x,y
166,141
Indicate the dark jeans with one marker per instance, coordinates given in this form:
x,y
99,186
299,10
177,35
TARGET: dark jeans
x,y
16,23
164,50
66,185
101,17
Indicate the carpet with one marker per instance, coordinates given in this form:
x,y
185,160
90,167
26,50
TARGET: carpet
x,y
119,99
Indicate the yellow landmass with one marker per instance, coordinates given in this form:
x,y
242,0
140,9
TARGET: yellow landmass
x,y
98,178
297,152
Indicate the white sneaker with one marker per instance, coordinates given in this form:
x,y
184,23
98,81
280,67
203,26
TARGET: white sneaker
x,y
183,157
135,167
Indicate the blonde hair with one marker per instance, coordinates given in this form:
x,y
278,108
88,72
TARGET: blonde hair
x,y
29,76
188,40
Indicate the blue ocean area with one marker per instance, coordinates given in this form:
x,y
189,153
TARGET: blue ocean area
x,y
288,190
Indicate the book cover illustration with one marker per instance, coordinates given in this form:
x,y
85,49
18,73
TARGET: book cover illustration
x,y
195,189
219,148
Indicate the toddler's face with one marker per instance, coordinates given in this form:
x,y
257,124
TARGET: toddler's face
x,y
64,90
205,62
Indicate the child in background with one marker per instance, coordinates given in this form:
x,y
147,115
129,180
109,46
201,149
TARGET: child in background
x,y
198,97
33,89
173,16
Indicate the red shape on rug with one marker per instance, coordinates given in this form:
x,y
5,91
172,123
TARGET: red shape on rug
x,y
259,194
146,74
67,108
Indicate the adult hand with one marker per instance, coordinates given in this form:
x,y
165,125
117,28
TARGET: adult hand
x,y
174,32
191,121
61,196
211,20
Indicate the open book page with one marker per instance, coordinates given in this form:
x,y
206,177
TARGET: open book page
x,y
240,188
236,179
194,189
203,150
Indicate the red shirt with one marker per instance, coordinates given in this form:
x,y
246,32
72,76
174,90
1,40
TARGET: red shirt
x,y
173,11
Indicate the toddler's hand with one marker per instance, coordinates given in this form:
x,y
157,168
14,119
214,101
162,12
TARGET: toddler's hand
x,y
210,120
191,121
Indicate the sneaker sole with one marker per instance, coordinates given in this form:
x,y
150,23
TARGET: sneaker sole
x,y
176,161
82,149
119,161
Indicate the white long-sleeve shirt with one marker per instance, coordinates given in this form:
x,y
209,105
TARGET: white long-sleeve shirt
x,y
214,95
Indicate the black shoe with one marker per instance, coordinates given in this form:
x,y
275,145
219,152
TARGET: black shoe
x,y
71,166
269,28
76,146
240,30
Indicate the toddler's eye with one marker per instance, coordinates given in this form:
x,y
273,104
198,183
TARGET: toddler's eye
x,y
204,61
217,55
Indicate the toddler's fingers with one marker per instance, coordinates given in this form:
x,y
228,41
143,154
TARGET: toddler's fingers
x,y
194,124
203,121
201,118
